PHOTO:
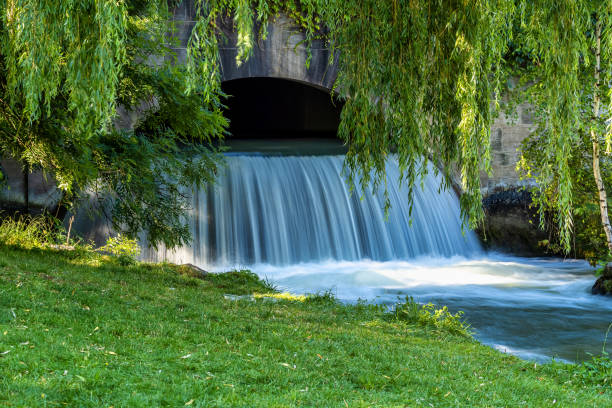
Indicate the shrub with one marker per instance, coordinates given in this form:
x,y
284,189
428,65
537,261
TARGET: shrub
x,y
597,370
324,297
427,315
125,249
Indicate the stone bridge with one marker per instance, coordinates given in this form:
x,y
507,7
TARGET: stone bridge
x,y
281,56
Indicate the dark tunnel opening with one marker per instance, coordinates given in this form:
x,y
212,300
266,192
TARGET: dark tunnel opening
x,y
271,108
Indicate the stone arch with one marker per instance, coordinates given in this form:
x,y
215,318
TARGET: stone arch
x,y
283,54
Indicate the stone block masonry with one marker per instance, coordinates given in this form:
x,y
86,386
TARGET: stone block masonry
x,y
507,134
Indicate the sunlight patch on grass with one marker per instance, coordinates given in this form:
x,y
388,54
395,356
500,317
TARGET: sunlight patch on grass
x,y
281,296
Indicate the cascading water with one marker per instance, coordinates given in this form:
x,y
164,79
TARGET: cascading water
x,y
288,210
293,221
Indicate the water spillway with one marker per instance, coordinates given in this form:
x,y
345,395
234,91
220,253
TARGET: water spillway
x,y
287,210
292,220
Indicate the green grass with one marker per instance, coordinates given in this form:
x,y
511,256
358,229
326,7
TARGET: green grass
x,y
79,330
25,230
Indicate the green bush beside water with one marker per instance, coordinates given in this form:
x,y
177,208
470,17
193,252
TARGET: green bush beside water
x,y
427,315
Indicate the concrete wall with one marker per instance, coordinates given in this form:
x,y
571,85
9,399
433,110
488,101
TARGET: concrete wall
x,y
41,191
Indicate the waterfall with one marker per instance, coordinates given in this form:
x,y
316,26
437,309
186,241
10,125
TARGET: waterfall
x,y
293,221
283,210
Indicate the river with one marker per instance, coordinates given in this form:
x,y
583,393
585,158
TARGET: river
x,y
294,221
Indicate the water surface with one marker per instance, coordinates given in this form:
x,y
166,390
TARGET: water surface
x,y
293,220
534,308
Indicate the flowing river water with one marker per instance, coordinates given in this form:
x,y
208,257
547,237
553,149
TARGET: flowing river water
x,y
293,221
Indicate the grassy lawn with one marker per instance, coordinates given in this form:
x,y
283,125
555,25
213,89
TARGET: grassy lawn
x,y
80,330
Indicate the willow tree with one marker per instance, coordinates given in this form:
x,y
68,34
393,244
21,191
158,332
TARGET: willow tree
x,y
566,78
65,68
421,79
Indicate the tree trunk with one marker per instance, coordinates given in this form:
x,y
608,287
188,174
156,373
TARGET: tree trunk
x,y
26,187
603,199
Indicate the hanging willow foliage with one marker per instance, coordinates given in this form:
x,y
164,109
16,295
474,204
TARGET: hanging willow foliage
x,y
75,45
421,78
568,71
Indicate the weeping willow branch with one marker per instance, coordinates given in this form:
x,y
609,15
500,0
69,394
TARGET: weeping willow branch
x,y
420,78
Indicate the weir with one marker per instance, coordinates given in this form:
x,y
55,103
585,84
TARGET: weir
x,y
288,210
293,221
281,208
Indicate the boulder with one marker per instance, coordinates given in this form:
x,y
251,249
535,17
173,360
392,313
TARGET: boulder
x,y
511,223
193,268
603,285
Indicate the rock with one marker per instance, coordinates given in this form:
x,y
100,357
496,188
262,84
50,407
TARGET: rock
x,y
511,224
250,298
194,268
603,285
62,247
600,286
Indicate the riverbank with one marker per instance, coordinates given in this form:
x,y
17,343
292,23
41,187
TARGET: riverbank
x,y
78,329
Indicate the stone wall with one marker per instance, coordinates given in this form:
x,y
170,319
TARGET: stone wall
x,y
507,135
283,54
511,223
